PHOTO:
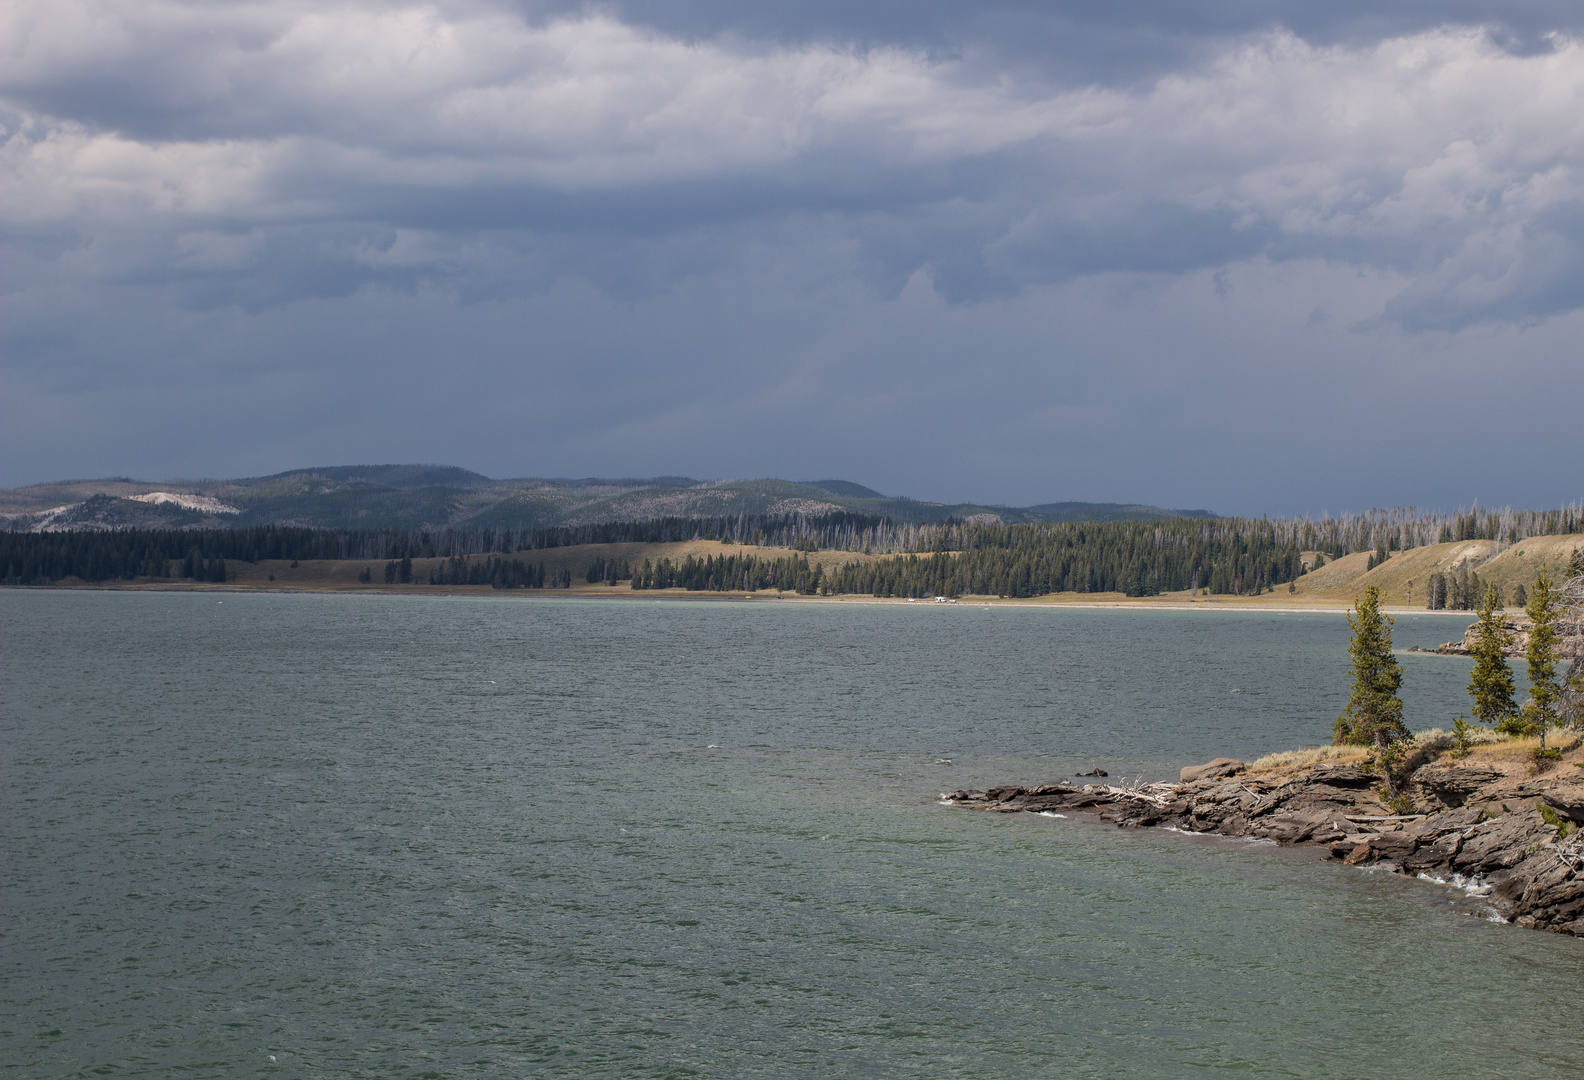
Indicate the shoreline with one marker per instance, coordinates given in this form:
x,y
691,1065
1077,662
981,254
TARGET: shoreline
x,y
1489,823
1273,605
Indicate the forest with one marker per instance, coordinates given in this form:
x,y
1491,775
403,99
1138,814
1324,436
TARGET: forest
x,y
1238,556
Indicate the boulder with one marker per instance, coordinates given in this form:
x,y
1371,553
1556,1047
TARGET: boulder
x,y
1393,845
1360,853
1213,770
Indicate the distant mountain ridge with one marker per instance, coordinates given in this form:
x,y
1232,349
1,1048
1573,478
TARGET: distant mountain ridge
x,y
420,496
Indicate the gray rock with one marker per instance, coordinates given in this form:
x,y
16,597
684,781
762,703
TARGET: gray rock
x,y
1213,770
1393,845
1449,821
1453,784
1343,776
1567,800
1503,843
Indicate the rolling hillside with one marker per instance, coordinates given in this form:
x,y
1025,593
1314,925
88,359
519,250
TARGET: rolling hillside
x,y
1402,578
434,496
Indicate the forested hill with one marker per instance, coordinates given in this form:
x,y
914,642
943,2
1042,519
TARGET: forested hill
x,y
432,497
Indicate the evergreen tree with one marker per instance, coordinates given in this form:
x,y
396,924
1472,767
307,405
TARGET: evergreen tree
x,y
1491,683
1540,709
1374,711
1570,706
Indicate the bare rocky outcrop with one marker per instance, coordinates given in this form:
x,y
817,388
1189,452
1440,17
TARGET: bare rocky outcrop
x,y
1213,770
1515,639
1487,824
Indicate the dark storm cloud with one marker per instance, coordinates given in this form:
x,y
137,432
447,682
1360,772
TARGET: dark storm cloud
x,y
247,182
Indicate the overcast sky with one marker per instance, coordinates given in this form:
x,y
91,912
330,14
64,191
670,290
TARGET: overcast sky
x,y
1251,256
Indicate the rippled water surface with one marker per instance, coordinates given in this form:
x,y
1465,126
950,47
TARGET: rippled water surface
x,y
421,837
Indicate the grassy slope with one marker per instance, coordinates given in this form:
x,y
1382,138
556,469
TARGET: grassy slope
x,y
1402,578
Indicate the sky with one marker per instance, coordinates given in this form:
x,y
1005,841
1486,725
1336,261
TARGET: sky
x,y
1258,257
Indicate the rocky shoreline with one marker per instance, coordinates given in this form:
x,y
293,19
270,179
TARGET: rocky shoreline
x,y
1515,640
1488,823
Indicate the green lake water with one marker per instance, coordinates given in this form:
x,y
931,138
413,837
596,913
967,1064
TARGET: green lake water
x,y
342,836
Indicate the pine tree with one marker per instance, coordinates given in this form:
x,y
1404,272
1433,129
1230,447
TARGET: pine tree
x,y
1491,683
1436,592
1374,711
1540,709
1570,705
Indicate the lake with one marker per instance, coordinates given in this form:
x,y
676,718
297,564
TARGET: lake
x,y
394,836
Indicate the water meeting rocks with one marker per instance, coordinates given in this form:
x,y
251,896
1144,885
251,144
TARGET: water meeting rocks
x,y
1491,826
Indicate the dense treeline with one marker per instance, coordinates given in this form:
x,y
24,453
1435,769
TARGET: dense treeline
x,y
1135,558
1224,555
610,571
1458,590
498,573
39,558
729,573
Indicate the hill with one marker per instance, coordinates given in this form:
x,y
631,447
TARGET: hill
x,y
436,496
1404,577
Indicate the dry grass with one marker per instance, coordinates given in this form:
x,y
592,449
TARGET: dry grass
x,y
1312,755
1428,745
1403,578
1503,747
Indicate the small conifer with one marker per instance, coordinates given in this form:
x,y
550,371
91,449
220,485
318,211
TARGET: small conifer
x,y
1491,682
1374,711
1540,709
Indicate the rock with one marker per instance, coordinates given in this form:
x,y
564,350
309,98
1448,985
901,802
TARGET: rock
x,y
1515,638
1453,784
1005,793
1093,772
1393,845
1213,770
1567,800
1293,828
1361,853
1342,776
1546,891
1503,843
1448,821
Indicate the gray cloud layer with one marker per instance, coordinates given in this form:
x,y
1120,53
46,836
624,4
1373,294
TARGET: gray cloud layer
x,y
637,228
